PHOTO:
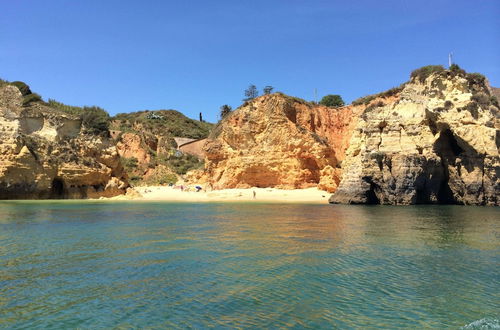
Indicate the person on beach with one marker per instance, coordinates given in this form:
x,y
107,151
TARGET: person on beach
x,y
254,194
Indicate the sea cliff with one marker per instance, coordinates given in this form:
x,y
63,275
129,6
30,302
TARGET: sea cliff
x,y
279,141
48,153
436,141
433,140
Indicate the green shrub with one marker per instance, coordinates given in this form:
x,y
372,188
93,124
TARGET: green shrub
x,y
473,109
332,100
455,69
95,120
475,78
33,97
482,99
251,92
167,179
388,93
393,91
180,164
23,88
225,110
134,180
66,108
424,72
448,104
129,163
165,123
494,101
364,100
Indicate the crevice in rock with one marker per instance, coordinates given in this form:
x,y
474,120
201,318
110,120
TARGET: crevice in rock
x,y
58,190
371,194
381,129
447,148
431,119
388,162
421,197
483,202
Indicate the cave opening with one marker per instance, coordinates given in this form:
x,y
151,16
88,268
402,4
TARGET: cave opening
x,y
421,196
448,149
446,146
371,196
57,190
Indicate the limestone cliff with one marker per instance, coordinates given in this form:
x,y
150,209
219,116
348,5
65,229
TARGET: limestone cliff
x,y
48,153
437,141
279,141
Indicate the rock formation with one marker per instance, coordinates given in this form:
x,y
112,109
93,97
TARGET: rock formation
x,y
434,139
148,142
437,141
278,141
47,153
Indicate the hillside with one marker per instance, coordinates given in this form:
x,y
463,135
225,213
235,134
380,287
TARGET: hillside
x,y
49,150
145,140
53,150
161,122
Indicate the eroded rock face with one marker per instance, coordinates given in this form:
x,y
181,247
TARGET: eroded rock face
x,y
436,142
45,154
278,141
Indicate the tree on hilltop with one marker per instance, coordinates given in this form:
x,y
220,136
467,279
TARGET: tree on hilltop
x,y
225,110
268,90
332,100
251,93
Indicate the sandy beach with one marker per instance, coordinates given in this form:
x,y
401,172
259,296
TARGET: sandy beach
x,y
162,193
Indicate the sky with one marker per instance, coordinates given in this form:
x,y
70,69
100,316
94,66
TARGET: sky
x,y
194,56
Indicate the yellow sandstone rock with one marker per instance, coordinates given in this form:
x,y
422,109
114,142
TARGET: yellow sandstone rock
x,y
45,154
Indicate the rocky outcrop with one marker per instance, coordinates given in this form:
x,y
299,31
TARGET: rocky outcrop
x,y
47,153
278,141
437,141
151,144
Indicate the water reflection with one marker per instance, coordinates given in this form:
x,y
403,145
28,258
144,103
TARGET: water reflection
x,y
87,264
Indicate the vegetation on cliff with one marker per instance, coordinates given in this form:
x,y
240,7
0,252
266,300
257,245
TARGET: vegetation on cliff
x,y
95,120
281,140
332,100
475,80
146,141
161,122
154,133
434,141
48,152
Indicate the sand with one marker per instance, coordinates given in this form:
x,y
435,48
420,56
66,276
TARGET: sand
x,y
162,193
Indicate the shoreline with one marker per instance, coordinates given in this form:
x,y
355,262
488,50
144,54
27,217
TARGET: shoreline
x,y
271,195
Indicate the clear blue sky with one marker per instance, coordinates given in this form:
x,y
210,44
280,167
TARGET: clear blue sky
x,y
197,55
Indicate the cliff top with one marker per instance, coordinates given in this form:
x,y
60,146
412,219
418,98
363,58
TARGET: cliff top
x,y
161,123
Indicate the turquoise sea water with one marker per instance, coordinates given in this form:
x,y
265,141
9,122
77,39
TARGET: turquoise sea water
x,y
176,265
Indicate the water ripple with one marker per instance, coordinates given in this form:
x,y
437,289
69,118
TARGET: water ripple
x,y
159,265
